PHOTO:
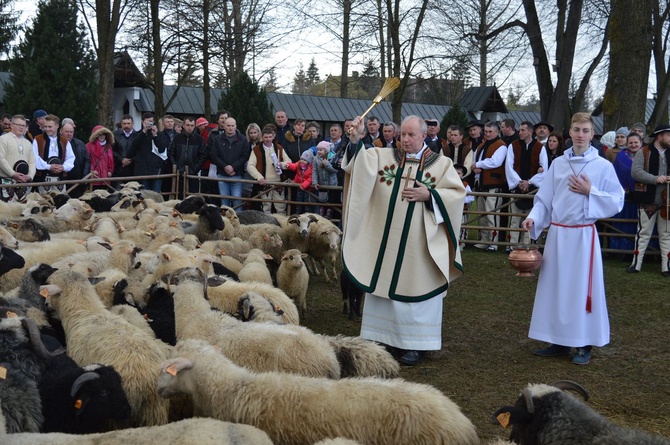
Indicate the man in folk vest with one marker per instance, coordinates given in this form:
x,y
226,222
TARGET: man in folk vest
x,y
53,153
524,169
489,172
264,165
433,139
457,150
651,171
388,137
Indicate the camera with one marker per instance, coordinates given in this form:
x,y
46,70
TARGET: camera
x,y
150,124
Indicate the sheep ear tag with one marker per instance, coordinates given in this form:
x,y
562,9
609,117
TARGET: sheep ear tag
x,y
503,419
11,314
3,373
77,404
172,370
45,292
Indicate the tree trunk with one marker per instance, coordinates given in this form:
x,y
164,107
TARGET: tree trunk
x,y
107,23
626,90
159,104
382,41
540,60
483,44
344,74
660,112
566,42
205,60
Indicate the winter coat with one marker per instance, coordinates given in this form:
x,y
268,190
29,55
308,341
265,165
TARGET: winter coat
x,y
121,149
145,162
102,156
302,176
188,150
324,174
234,153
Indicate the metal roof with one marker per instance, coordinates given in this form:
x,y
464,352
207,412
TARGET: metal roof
x,y
190,101
336,109
483,99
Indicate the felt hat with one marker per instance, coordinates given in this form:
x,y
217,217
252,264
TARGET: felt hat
x,y
474,123
546,124
662,128
432,122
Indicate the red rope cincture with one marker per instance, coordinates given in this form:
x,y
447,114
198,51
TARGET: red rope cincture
x,y
589,299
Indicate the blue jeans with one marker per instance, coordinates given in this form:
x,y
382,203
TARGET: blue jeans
x,y
231,189
152,184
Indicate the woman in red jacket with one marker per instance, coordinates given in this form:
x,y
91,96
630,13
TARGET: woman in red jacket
x,y
100,149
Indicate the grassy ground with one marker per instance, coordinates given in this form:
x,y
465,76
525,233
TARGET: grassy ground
x,y
486,356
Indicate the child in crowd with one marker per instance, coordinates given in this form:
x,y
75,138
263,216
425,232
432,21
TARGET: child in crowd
x,y
461,170
303,176
323,173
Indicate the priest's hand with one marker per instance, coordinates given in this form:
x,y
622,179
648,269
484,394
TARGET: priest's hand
x,y
527,224
418,192
357,129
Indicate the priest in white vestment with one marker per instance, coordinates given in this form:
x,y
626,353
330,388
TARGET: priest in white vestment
x,y
400,243
579,188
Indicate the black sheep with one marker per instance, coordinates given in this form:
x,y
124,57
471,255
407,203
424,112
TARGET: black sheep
x,y
22,361
81,400
190,204
256,217
10,260
352,295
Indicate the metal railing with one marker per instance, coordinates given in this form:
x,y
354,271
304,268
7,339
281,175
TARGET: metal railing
x,y
180,187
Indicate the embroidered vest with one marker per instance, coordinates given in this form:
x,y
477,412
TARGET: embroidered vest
x,y
43,152
521,164
493,177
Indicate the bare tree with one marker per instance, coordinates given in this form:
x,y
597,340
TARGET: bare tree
x,y
109,17
661,33
626,91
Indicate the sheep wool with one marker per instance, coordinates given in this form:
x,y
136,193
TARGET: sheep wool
x,y
306,410
95,335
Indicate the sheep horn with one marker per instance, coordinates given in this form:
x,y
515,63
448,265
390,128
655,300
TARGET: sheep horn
x,y
570,385
530,407
85,377
36,340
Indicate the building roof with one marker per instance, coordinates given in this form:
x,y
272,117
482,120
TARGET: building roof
x,y
485,99
189,101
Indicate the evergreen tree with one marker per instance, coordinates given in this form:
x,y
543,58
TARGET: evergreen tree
x,y
312,74
8,24
299,82
455,116
247,101
53,67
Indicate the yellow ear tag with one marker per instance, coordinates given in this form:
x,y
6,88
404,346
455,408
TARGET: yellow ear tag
x,y
77,404
11,314
3,373
172,370
45,292
503,419
266,237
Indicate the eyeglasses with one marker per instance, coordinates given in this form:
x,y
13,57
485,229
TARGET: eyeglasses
x,y
19,125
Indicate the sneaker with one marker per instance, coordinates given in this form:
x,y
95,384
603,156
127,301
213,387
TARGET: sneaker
x,y
491,248
508,250
582,356
632,269
552,351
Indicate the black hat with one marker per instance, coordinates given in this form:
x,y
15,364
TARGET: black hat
x,y
22,167
54,160
431,122
546,124
662,128
461,167
475,123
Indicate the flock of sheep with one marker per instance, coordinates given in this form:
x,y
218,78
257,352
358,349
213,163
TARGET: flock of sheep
x,y
124,318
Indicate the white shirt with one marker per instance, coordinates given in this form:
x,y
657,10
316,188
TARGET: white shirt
x,y
40,164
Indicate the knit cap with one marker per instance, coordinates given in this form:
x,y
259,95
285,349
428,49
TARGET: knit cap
x,y
201,121
307,156
324,144
623,130
639,125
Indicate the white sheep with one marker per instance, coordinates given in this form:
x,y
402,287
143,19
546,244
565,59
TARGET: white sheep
x,y
7,239
293,278
257,346
324,248
254,268
306,410
225,294
190,431
95,335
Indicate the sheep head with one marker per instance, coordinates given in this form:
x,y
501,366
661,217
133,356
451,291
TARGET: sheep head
x,y
547,400
294,258
170,379
99,395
